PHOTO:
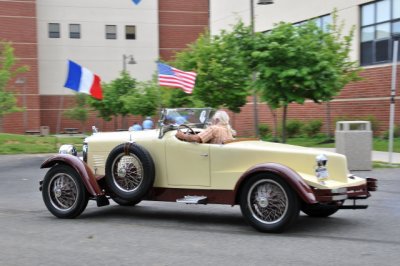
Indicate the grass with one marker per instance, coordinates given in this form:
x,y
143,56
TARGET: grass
x,y
379,144
377,164
20,144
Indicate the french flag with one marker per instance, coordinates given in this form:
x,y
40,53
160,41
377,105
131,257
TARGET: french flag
x,y
83,80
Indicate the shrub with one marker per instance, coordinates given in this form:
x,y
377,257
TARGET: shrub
x,y
312,128
396,132
293,128
264,130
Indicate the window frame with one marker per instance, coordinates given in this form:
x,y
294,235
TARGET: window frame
x,y
368,58
74,34
54,34
128,36
111,35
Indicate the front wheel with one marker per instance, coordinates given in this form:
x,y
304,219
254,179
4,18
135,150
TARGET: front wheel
x,y
268,203
64,193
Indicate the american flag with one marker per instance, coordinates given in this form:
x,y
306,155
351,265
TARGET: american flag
x,y
172,77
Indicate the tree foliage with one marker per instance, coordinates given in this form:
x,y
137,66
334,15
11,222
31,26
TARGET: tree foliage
x,y
223,74
112,104
295,63
80,111
143,100
8,101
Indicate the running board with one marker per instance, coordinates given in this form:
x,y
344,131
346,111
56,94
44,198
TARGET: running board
x,y
193,200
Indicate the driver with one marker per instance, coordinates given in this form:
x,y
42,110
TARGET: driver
x,y
219,132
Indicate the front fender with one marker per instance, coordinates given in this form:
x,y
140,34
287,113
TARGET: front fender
x,y
289,175
80,167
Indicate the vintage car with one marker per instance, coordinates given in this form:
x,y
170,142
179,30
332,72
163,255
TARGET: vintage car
x,y
271,182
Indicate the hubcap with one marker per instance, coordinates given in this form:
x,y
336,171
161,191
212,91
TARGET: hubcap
x,y
262,201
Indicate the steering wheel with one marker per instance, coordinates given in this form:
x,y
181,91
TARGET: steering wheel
x,y
188,129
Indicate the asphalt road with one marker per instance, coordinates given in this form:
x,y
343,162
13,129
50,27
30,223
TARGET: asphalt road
x,y
154,233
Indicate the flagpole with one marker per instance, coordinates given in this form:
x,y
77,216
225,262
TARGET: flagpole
x,y
392,99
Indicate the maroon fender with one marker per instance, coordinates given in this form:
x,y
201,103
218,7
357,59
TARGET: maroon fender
x,y
80,167
289,175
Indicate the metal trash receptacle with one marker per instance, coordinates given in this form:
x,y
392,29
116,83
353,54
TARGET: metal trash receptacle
x,y
354,139
44,130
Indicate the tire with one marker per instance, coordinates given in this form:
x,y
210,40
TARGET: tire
x,y
64,193
268,203
123,202
129,172
319,210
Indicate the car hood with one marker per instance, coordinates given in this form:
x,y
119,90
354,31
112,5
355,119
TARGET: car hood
x,y
301,159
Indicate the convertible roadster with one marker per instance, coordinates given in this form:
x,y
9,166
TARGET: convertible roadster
x,y
271,182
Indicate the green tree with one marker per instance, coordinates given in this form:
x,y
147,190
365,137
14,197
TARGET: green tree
x,y
144,100
8,101
221,64
295,63
80,110
112,104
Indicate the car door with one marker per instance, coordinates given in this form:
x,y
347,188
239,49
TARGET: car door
x,y
188,164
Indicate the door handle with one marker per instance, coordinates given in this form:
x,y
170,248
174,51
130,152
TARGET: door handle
x,y
204,155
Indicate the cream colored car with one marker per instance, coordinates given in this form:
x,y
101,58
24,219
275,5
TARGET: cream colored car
x,y
271,182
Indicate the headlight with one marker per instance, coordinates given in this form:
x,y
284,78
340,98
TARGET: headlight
x,y
68,149
85,152
321,172
321,160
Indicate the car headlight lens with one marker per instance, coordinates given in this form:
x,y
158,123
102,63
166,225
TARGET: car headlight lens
x,y
68,149
321,160
85,152
321,171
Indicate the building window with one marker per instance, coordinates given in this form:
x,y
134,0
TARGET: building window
x,y
75,31
54,30
322,22
130,32
380,25
111,32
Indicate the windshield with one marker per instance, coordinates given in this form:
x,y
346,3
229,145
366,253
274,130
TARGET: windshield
x,y
171,118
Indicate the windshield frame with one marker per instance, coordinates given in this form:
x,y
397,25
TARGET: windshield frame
x,y
193,117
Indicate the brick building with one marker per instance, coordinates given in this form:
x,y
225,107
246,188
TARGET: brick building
x,y
101,34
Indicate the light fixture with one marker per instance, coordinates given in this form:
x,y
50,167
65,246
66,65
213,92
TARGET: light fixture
x,y
265,2
131,61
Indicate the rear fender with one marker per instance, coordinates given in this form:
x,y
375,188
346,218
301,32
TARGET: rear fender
x,y
289,175
80,167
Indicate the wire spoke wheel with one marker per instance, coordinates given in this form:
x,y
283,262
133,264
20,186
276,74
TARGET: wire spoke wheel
x,y
127,172
268,203
130,172
63,191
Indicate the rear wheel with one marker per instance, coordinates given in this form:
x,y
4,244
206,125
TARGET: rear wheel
x,y
268,203
63,192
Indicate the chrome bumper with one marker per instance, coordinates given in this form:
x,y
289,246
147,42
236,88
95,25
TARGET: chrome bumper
x,y
339,194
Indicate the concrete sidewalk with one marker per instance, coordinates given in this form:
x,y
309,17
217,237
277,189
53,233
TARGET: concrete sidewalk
x,y
376,155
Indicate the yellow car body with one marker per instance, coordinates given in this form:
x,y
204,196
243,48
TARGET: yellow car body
x,y
271,182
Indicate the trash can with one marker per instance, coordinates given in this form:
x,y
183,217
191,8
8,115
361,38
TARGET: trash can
x,y
354,139
44,130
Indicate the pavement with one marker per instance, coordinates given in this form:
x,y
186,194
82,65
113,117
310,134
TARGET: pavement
x,y
380,156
